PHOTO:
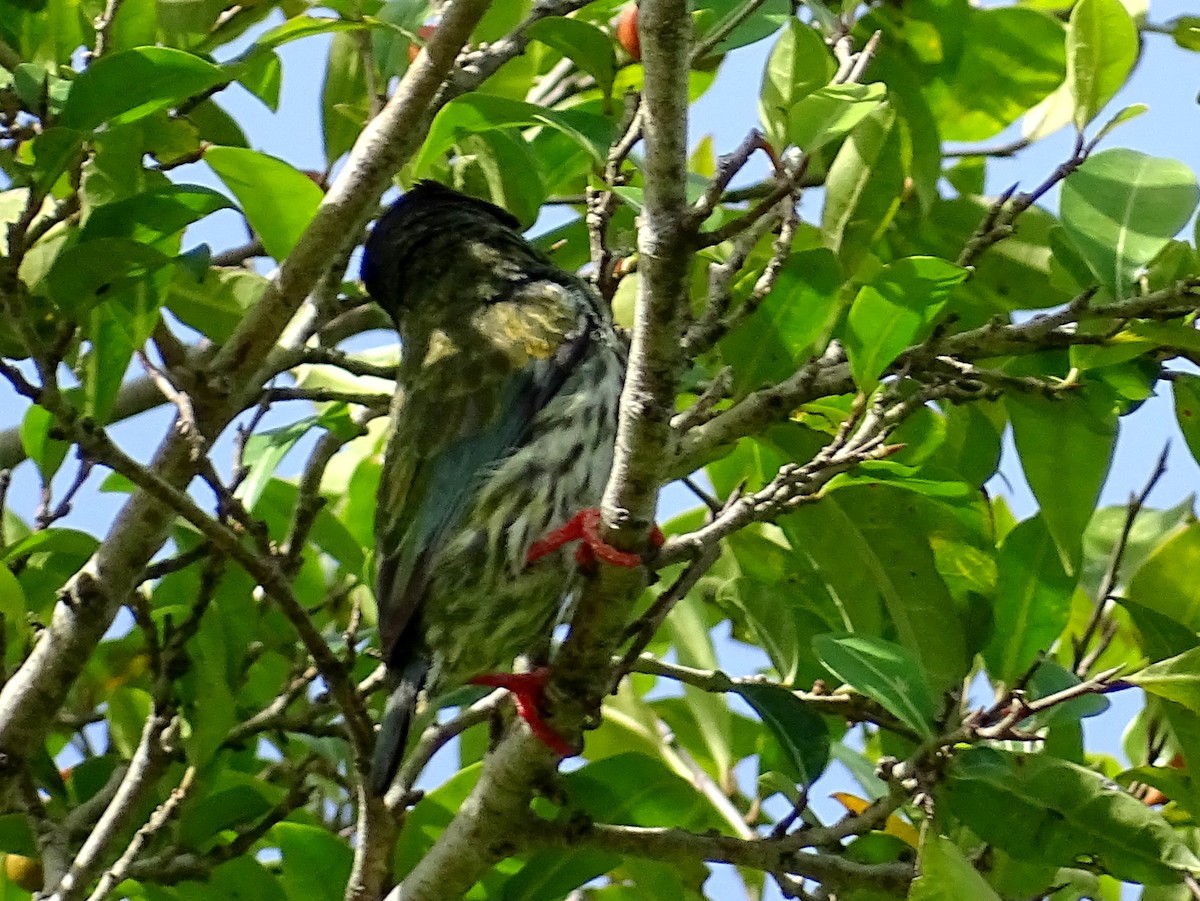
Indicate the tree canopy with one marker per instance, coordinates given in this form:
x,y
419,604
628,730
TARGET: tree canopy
x,y
825,361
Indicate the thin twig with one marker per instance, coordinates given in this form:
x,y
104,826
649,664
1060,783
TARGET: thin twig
x,y
1112,572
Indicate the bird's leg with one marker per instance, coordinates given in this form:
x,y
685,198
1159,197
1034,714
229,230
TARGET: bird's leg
x,y
584,527
528,690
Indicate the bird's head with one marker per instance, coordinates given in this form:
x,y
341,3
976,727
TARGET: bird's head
x,y
418,235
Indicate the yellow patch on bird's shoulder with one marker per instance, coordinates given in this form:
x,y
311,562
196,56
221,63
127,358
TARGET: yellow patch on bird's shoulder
x,y
531,327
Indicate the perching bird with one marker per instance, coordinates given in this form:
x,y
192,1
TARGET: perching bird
x,y
502,432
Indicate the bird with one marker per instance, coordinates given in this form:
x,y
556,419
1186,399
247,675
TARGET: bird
x,y
500,443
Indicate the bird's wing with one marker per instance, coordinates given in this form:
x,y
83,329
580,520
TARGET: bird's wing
x,y
466,406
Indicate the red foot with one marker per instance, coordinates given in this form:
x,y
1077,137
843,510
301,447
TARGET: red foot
x,y
527,690
584,526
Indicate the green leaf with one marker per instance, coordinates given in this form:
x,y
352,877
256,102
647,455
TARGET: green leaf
x,y
1176,679
1033,600
52,153
502,166
278,200
1119,118
1166,583
693,646
316,863
880,580
47,453
885,672
1102,46
831,112
800,311
91,271
710,15
800,733
224,809
155,214
264,452
473,113
215,304
344,107
799,64
582,43
1042,428
262,75
864,186
1186,389
125,86
896,310
115,329
1187,32
947,875
128,709
302,27
1005,62
1121,207
241,879
1040,808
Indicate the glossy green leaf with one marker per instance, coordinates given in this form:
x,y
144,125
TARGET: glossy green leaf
x,y
115,329
262,75
128,709
1068,431
864,186
1033,600
800,311
316,862
1102,46
584,44
831,112
501,165
124,86
947,875
153,215
1005,61
799,64
1121,207
1119,118
215,304
344,106
52,153
1166,582
879,580
694,647
278,200
1187,32
225,809
713,15
896,310
264,451
473,113
1176,679
46,452
89,272
1040,808
885,673
1185,388
800,733
302,27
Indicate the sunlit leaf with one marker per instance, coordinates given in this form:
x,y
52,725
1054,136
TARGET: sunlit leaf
x,y
1121,207
884,672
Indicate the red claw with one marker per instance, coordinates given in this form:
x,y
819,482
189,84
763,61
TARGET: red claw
x,y
528,690
584,526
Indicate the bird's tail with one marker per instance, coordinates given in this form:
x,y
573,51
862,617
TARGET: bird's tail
x,y
397,720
